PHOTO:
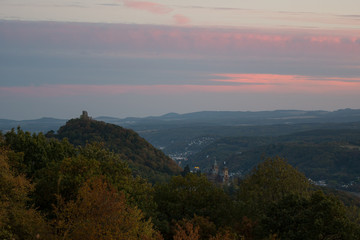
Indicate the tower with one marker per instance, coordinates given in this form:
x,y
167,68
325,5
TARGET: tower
x,y
226,175
84,116
215,168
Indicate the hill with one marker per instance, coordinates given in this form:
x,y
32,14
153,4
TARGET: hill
x,y
36,125
204,118
144,159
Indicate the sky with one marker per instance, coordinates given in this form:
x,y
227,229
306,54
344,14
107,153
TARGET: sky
x,y
125,58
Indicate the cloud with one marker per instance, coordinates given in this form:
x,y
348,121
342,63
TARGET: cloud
x,y
181,19
300,19
226,83
290,83
351,16
148,6
166,41
83,53
99,90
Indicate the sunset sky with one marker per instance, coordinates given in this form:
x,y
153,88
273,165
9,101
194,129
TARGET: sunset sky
x,y
126,58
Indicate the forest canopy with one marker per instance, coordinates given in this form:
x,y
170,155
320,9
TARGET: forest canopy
x,y
52,189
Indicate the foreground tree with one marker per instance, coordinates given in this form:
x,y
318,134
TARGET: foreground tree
x,y
185,196
268,183
64,178
316,217
101,212
200,228
38,151
186,231
18,219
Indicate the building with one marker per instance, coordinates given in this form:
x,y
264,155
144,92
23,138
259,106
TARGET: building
x,y
85,116
217,176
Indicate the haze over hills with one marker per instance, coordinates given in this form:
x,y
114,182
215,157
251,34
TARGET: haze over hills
x,y
323,144
231,118
36,125
204,118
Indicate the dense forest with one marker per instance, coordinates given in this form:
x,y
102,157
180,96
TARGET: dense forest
x,y
83,187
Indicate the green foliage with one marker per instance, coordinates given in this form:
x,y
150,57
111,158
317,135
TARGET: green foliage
x,y
63,169
205,228
269,182
101,212
33,147
18,220
316,217
185,196
282,203
200,228
66,177
37,151
89,192
348,198
38,158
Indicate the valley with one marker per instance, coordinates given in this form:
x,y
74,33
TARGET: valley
x,y
324,145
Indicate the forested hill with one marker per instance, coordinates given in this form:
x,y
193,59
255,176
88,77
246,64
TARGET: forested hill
x,y
144,159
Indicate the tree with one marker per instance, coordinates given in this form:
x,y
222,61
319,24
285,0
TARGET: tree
x,y
316,217
205,228
269,182
101,212
33,147
37,151
186,170
186,232
67,176
18,219
223,236
200,228
185,196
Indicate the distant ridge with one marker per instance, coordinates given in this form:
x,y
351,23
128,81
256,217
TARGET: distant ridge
x,y
44,124
232,118
219,118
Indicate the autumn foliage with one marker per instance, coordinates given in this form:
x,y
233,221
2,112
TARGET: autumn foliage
x,y
101,212
51,189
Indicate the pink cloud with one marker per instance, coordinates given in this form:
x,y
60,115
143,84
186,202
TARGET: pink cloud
x,y
235,83
181,19
325,39
96,90
148,6
170,41
291,83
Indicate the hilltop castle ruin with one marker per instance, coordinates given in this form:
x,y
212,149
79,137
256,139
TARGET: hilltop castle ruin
x,y
85,116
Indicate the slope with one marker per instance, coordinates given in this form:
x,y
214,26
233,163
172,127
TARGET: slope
x,y
143,158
